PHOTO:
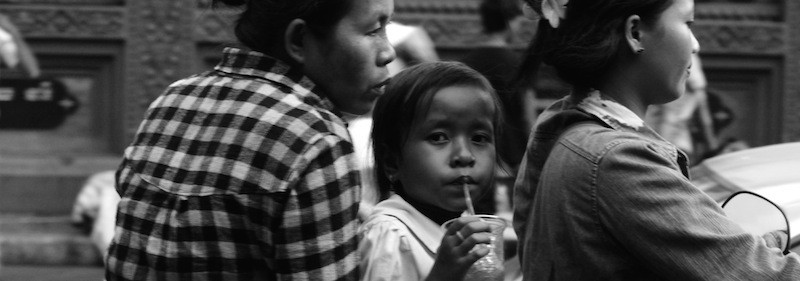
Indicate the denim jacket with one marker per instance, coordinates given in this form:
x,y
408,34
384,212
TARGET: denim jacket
x,y
601,196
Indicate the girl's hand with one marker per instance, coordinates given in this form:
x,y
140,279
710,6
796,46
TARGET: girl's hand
x,y
465,241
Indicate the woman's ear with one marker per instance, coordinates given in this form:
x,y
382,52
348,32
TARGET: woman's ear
x,y
293,40
633,34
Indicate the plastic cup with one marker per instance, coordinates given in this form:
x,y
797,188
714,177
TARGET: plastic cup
x,y
489,267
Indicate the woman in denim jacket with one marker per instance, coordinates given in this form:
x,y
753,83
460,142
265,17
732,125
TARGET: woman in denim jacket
x,y
601,196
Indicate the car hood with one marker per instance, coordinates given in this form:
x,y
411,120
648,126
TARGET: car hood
x,y
771,171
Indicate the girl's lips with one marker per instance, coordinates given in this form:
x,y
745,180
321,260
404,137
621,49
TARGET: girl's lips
x,y
462,180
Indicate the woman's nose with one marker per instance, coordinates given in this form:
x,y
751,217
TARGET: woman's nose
x,y
387,53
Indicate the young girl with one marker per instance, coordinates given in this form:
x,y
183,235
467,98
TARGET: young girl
x,y
601,196
434,131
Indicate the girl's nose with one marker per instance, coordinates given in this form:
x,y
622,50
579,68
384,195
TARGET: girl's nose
x,y
463,157
463,160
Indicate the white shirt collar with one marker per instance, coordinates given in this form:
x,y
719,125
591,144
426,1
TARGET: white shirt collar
x,y
610,111
427,231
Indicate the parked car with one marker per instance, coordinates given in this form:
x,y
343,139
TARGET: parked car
x,y
771,171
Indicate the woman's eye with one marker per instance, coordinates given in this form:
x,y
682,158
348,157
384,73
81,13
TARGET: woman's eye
x,y
378,31
437,138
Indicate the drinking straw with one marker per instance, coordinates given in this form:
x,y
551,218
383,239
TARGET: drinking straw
x,y
470,208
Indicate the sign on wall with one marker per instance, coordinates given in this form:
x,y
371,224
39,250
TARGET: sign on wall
x,y
34,103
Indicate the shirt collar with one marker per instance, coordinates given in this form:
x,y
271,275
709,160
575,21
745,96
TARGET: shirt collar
x,y
237,61
610,111
619,117
428,232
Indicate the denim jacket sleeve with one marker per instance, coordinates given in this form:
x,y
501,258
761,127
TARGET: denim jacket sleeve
x,y
646,204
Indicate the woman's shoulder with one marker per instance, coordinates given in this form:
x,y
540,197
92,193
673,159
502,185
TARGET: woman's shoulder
x,y
596,142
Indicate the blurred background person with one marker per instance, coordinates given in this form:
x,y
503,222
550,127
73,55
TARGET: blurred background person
x,y
14,51
412,44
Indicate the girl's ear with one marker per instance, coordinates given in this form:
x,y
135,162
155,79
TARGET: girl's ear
x,y
293,39
633,34
391,168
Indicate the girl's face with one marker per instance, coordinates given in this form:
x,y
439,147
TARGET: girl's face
x,y
668,52
452,144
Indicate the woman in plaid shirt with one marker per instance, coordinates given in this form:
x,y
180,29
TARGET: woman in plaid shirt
x,y
247,171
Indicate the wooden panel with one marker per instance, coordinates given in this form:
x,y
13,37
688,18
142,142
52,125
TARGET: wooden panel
x,y
751,88
791,86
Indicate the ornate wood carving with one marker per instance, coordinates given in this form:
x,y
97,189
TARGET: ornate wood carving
x,y
768,12
722,28
741,38
74,23
63,2
159,50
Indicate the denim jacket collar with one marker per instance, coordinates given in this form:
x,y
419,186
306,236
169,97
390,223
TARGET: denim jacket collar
x,y
620,118
611,112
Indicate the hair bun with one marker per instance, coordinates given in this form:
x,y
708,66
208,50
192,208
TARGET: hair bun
x,y
232,3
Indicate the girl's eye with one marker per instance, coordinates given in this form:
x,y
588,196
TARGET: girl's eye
x,y
437,138
481,139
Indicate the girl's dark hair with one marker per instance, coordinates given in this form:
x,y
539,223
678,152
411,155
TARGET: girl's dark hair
x,y
262,23
409,94
588,40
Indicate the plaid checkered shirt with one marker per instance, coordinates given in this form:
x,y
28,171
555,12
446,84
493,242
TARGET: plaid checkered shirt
x,y
240,173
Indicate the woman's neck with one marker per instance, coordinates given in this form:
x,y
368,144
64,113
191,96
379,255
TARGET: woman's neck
x,y
434,213
623,94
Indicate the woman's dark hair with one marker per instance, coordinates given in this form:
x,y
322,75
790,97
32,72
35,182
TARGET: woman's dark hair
x,y
262,23
496,14
588,40
408,95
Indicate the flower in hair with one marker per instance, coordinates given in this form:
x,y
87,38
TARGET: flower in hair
x,y
554,11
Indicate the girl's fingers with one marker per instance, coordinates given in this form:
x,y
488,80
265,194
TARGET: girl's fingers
x,y
466,227
478,252
476,227
470,242
460,223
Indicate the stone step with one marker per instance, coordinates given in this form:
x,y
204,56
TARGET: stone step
x,y
45,240
51,273
46,185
